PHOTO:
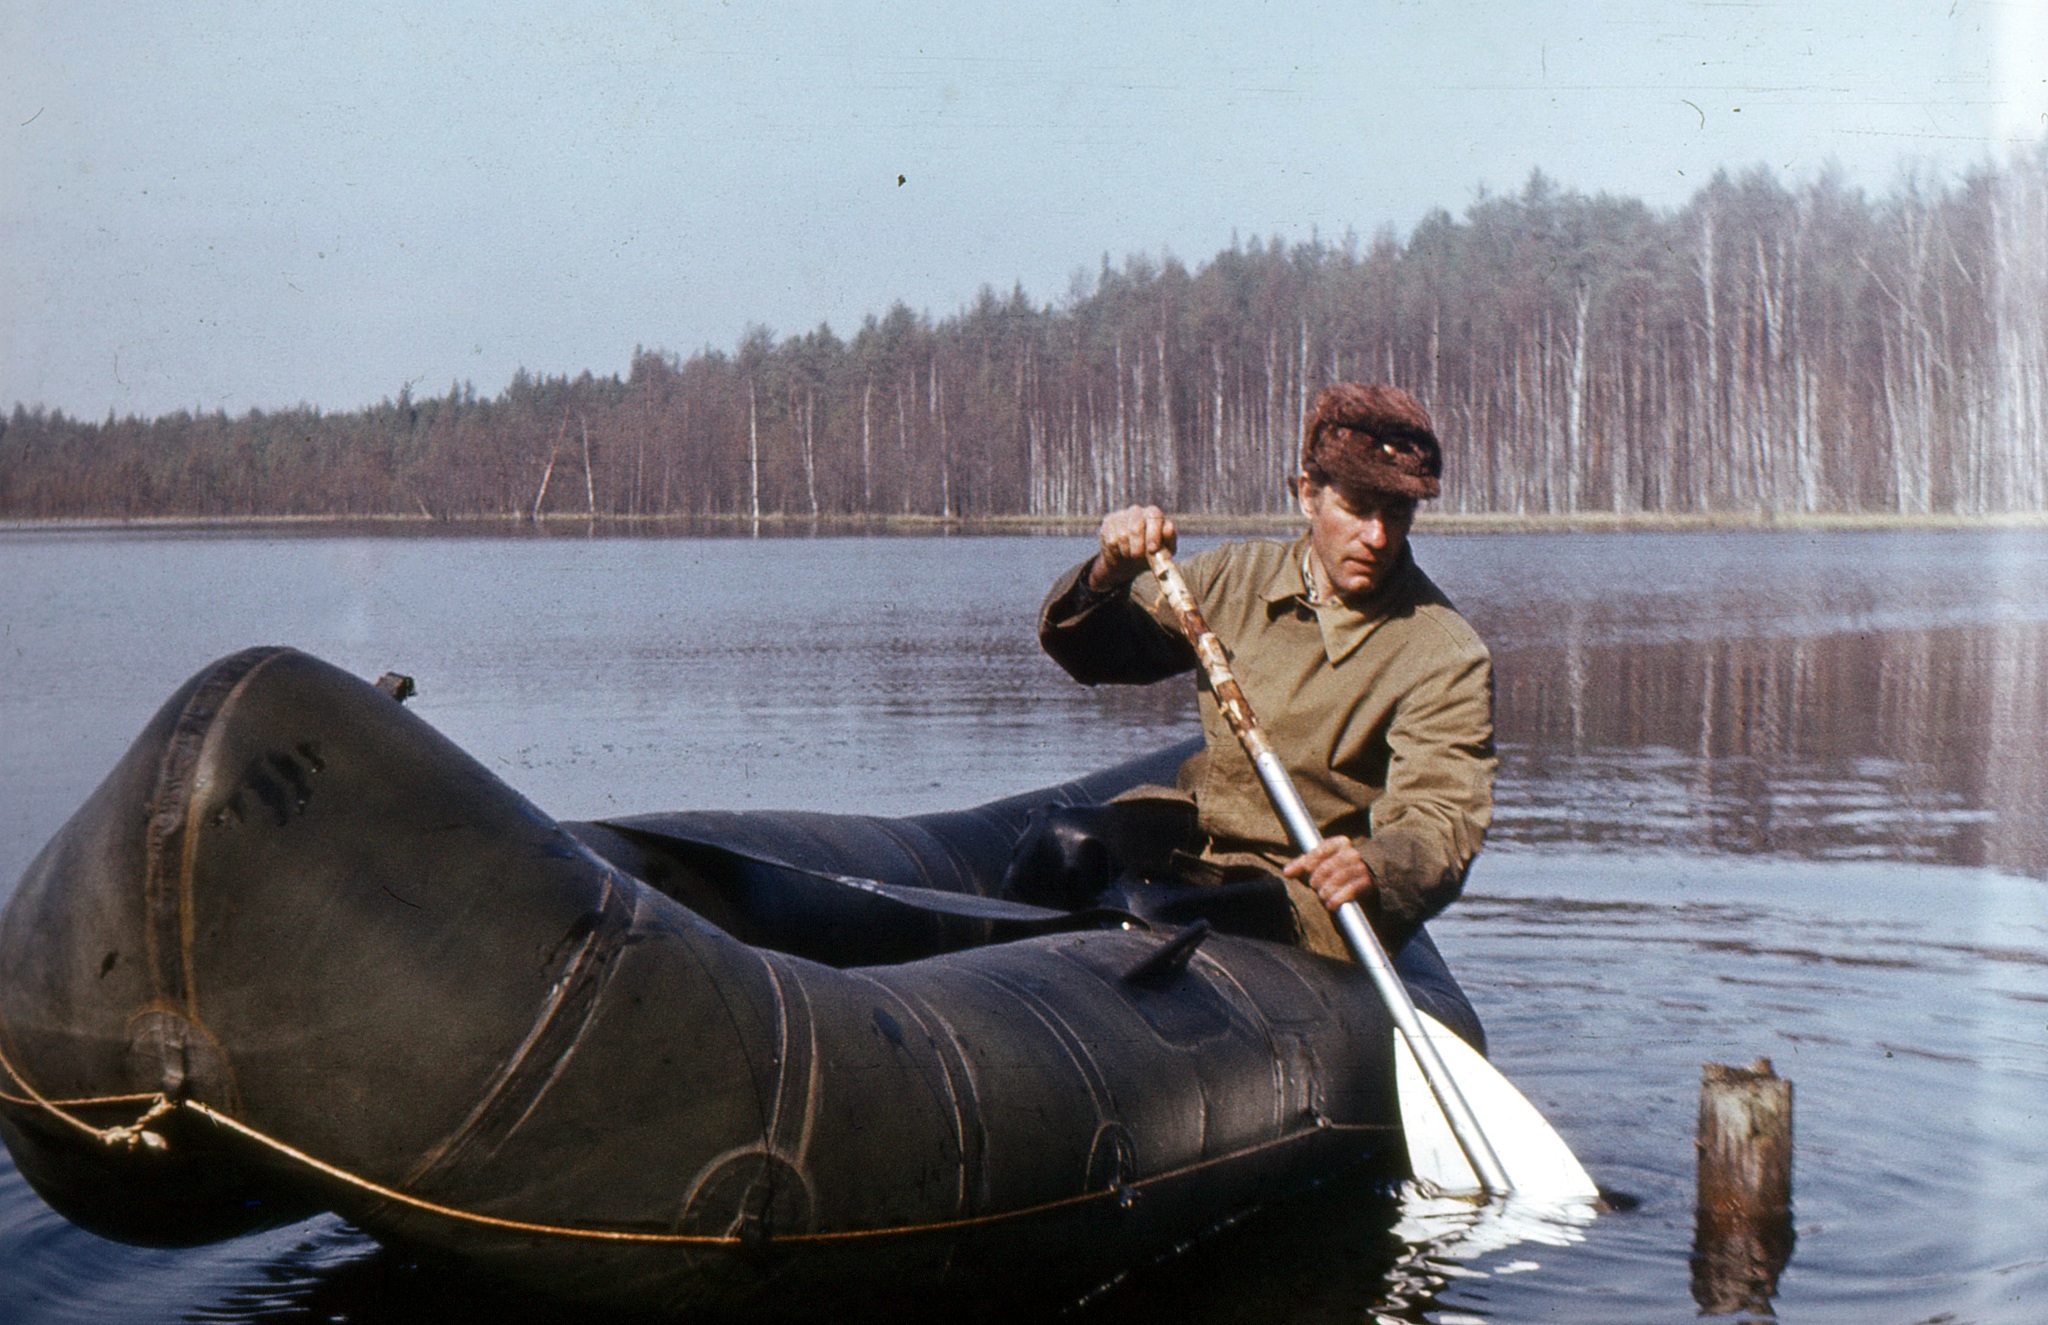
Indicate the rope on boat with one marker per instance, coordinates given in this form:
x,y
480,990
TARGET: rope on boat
x,y
129,1136
138,1134
378,1189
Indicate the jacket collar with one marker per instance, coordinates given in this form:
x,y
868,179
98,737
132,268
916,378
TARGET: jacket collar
x,y
1344,627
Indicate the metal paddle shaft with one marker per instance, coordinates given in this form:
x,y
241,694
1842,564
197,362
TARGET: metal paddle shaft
x,y
1351,921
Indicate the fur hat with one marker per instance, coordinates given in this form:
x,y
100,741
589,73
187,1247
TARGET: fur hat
x,y
1371,439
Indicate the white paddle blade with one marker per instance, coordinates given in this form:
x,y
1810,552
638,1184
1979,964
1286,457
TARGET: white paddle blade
x,y
1540,1166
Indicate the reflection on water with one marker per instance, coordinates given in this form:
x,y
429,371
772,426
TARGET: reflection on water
x,y
1445,1238
1918,744
1880,696
1749,784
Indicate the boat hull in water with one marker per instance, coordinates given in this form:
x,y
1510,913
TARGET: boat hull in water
x,y
299,953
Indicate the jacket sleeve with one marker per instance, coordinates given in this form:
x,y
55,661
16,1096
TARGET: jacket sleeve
x,y
1429,822
1113,640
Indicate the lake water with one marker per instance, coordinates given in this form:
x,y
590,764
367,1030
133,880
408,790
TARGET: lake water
x,y
1778,794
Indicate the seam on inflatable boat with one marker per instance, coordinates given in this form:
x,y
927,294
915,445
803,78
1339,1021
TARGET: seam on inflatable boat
x,y
558,1028
741,1043
1100,1093
172,837
1224,975
963,1094
796,1053
910,853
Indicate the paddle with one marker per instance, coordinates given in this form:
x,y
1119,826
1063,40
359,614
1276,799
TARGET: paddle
x,y
1513,1149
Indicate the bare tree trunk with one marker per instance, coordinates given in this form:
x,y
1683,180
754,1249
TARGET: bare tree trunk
x,y
1277,463
810,457
903,446
1301,384
2020,333
589,484
1708,390
1575,401
1034,440
1216,462
668,456
1436,351
640,453
938,401
542,495
1120,483
549,472
867,448
753,457
1168,457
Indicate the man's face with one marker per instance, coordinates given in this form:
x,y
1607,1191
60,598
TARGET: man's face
x,y
1356,549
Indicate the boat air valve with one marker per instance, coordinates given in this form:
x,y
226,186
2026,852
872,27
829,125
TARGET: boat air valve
x,y
1170,958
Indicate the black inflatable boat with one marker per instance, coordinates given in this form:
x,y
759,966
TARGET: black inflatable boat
x,y
300,953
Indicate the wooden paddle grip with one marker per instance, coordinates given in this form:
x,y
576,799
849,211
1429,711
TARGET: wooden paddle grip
x,y
1209,652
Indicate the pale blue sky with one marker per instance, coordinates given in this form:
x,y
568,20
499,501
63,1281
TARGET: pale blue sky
x,y
236,203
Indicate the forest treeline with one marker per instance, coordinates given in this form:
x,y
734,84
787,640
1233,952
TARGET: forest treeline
x,y
1758,349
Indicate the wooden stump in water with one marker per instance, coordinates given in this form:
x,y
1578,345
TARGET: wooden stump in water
x,y
1742,1231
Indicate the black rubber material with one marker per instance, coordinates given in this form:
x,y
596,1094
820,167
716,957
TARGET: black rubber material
x,y
297,903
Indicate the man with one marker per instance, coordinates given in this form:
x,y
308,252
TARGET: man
x,y
1375,692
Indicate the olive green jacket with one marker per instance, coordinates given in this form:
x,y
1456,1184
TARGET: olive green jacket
x,y
1382,713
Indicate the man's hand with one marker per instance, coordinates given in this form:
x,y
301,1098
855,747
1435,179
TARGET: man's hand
x,y
1334,869
1128,537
